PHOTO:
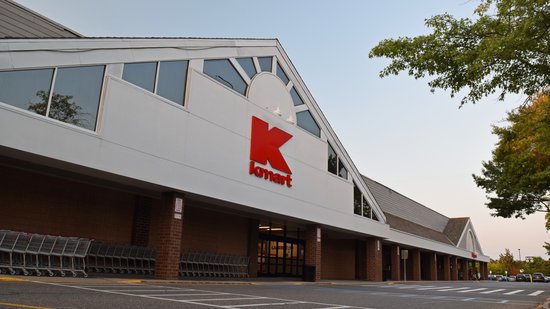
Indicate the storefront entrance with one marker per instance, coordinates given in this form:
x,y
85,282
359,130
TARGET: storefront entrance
x,y
278,254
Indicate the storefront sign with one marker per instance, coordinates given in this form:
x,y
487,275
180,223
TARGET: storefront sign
x,y
264,148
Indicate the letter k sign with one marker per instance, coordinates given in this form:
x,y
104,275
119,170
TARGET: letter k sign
x,y
265,144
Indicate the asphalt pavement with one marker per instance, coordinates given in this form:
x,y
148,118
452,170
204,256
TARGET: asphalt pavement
x,y
45,293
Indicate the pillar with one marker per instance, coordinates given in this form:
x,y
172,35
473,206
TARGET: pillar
x,y
168,247
374,259
253,239
454,268
432,262
414,255
313,249
446,268
395,263
465,270
484,274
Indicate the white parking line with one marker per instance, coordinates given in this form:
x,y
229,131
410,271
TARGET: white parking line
x,y
454,289
434,288
403,287
473,290
514,292
493,291
187,294
536,293
272,301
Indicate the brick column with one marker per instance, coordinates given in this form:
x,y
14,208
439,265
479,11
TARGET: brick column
x,y
142,221
313,249
395,263
169,237
465,269
483,271
253,238
454,268
414,256
374,259
432,262
446,268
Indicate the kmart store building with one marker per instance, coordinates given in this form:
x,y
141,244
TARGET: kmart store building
x,y
200,145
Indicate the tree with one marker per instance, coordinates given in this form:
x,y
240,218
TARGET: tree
x,y
60,108
506,260
505,49
517,178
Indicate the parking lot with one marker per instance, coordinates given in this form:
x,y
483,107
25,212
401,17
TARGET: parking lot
x,y
43,293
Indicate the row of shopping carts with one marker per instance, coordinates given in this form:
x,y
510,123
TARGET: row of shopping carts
x,y
213,265
121,259
27,254
37,254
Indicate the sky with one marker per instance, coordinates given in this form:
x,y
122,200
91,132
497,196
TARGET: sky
x,y
395,130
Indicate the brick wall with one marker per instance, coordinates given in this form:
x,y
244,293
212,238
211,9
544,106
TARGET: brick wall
x,y
209,231
313,249
37,203
338,259
374,259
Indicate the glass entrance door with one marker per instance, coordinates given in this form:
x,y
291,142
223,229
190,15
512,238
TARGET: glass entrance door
x,y
280,256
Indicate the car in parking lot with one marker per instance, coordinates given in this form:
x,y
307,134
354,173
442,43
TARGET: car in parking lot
x,y
538,277
523,278
511,278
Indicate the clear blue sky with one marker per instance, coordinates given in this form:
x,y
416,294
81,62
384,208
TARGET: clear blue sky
x,y
396,131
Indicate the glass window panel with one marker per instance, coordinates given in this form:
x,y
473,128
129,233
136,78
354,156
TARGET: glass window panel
x,y
374,217
141,74
356,200
223,71
172,77
282,74
332,160
366,208
306,121
296,99
76,94
265,63
248,66
342,171
28,89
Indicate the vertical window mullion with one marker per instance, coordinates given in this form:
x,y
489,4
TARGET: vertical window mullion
x,y
50,95
157,73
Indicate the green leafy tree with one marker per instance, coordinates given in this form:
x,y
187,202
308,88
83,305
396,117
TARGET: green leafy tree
x,y
61,108
506,49
506,260
517,178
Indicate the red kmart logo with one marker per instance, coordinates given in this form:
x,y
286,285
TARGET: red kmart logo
x,y
264,147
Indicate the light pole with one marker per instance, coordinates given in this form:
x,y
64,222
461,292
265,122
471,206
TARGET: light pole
x,y
519,251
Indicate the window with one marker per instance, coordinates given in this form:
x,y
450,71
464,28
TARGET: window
x,y
248,66
26,89
171,80
282,75
357,208
332,161
342,171
361,206
223,71
75,97
76,94
265,63
335,165
306,122
141,74
296,97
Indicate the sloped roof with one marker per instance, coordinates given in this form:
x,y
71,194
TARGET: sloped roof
x,y
17,21
401,206
407,226
455,227
409,216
